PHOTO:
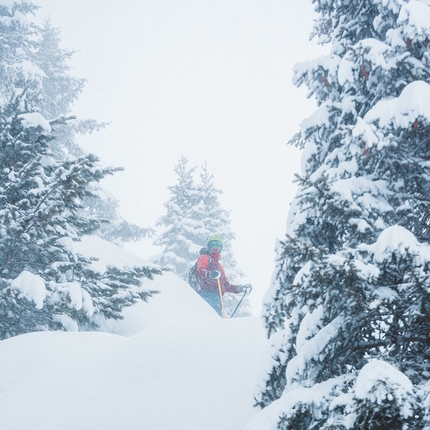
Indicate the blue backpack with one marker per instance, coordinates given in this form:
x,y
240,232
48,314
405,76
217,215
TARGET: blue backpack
x,y
193,279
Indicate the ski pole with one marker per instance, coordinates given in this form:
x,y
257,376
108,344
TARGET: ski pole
x,y
221,300
237,307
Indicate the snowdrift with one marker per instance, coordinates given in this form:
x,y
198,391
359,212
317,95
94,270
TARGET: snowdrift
x,y
172,363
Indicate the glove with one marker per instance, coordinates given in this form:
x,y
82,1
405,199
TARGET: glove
x,y
214,274
246,288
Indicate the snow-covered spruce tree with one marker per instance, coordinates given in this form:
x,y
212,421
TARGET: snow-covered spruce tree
x,y
348,311
178,238
215,220
44,284
194,213
60,91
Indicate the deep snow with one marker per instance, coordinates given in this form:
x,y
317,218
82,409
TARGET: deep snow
x,y
172,364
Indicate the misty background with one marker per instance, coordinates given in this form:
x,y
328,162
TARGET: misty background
x,y
210,80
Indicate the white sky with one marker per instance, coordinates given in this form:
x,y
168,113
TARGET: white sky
x,y
207,79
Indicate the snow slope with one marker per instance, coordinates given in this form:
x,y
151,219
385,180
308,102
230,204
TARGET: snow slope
x,y
173,364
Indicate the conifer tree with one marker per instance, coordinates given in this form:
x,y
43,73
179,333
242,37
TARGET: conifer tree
x,y
44,283
348,311
179,239
216,221
60,91
194,213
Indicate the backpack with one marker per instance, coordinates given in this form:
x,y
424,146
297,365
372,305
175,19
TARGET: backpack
x,y
193,279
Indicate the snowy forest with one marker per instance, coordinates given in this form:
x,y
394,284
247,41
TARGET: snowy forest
x,y
50,195
93,336
348,311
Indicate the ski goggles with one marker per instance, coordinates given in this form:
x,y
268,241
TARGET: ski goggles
x,y
215,244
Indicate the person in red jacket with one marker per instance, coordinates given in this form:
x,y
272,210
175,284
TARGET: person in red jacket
x,y
212,276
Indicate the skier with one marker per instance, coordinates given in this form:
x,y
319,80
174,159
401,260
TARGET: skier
x,y
213,281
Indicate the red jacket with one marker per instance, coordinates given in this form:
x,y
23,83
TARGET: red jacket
x,y
205,264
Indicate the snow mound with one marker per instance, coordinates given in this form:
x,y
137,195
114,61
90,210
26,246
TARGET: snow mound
x,y
32,287
401,112
180,367
107,253
398,239
414,19
379,382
